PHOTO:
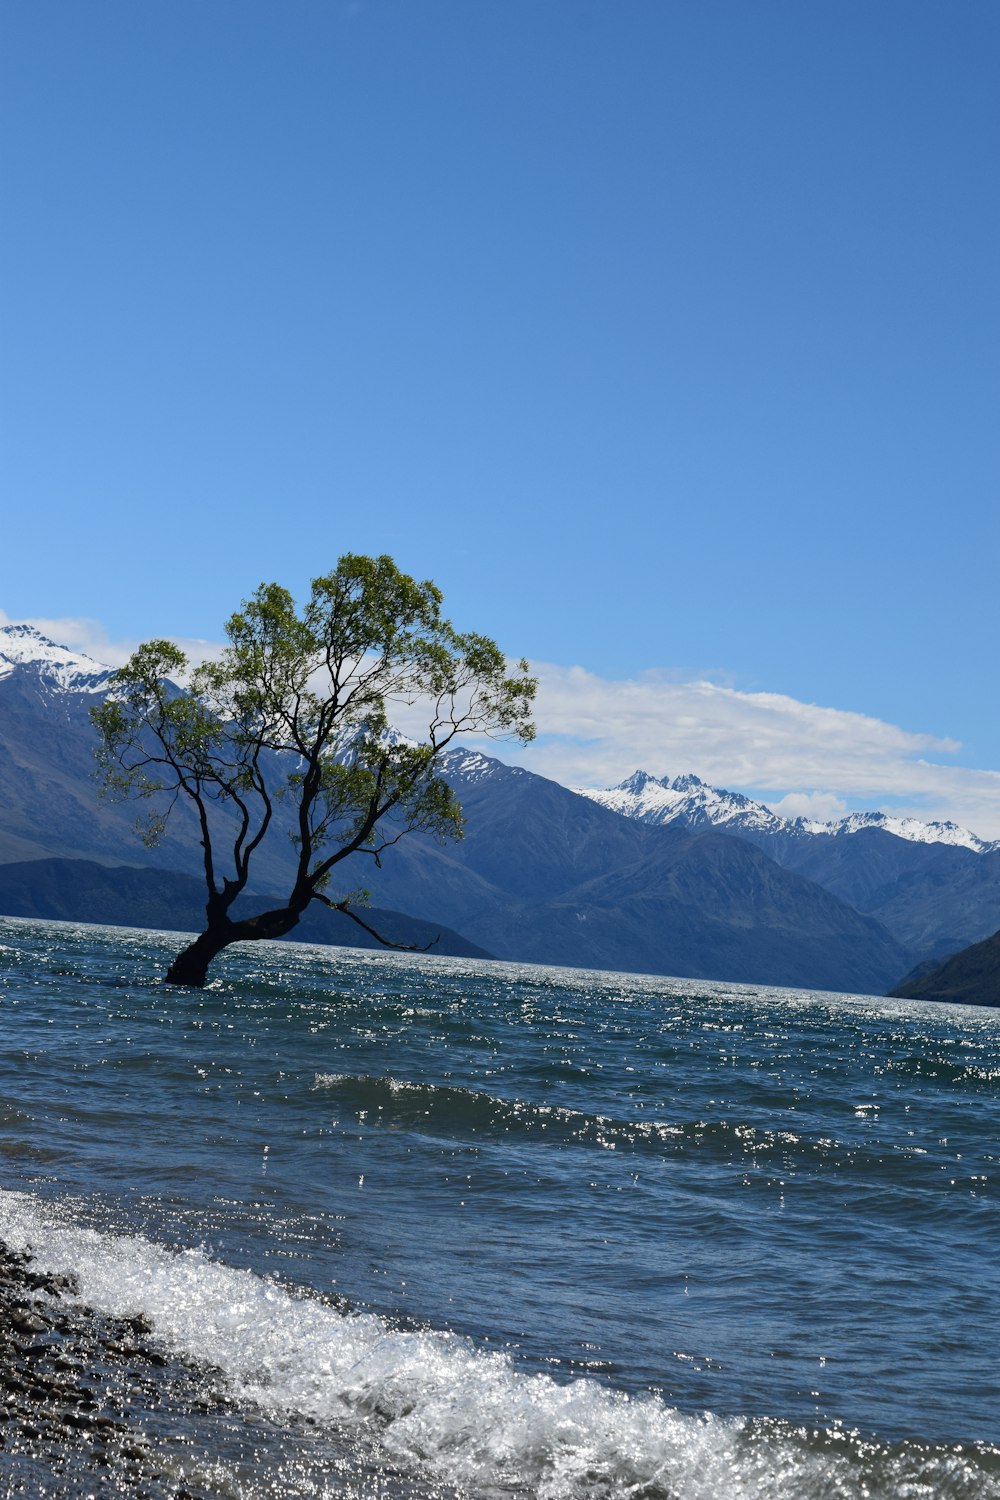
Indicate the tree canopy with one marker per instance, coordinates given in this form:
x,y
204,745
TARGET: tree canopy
x,y
292,728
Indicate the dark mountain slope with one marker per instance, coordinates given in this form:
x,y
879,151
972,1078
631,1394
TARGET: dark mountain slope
x,y
72,890
861,867
644,899
704,906
532,837
946,905
933,898
971,977
935,891
49,802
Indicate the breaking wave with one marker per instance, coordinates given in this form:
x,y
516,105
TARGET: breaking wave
x,y
437,1405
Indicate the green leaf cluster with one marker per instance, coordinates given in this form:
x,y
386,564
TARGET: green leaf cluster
x,y
297,713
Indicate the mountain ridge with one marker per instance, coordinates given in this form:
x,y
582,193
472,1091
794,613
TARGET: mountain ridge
x,y
935,895
72,671
689,800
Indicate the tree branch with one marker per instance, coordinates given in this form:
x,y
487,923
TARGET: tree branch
x,y
346,908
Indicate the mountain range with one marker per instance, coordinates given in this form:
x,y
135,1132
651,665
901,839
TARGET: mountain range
x,y
670,877
934,886
687,800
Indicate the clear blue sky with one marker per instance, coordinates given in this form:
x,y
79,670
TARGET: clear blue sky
x,y
661,335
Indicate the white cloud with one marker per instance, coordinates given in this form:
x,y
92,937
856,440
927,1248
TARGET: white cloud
x,y
822,807
594,731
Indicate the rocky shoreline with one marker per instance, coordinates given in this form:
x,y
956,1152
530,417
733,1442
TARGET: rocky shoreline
x,y
91,1408
74,1388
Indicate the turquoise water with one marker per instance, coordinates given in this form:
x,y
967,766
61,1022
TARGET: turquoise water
x,y
524,1230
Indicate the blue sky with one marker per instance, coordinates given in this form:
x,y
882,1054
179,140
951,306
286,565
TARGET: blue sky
x,y
663,336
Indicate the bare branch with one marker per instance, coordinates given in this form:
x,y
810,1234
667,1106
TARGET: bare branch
x,y
348,911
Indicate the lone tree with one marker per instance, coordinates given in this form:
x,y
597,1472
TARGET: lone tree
x,y
291,727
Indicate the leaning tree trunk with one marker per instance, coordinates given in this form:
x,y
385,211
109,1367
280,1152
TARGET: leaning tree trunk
x,y
190,967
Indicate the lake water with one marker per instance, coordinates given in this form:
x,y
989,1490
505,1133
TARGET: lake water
x,y
444,1225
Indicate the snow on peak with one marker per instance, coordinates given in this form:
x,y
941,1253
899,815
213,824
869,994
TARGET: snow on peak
x,y
685,800
689,783
473,765
912,829
637,783
689,802
25,646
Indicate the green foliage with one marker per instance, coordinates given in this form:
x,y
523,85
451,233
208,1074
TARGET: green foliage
x,y
296,714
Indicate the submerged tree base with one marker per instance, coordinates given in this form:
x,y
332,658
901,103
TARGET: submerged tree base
x,y
190,967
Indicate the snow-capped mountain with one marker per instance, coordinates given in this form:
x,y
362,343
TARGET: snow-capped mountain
x,y
686,800
24,646
912,829
691,803
467,767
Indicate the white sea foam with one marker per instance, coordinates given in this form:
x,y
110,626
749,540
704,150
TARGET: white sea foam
x,y
440,1406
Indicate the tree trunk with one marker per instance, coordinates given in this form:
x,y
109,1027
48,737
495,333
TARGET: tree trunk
x,y
190,967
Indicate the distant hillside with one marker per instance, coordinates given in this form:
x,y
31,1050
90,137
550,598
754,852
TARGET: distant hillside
x,y
76,890
934,898
971,977
548,876
49,801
